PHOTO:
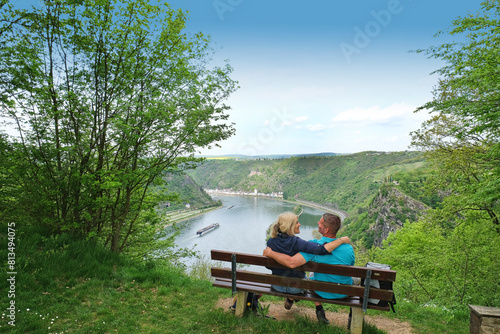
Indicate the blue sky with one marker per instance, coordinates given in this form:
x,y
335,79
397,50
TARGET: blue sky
x,y
325,76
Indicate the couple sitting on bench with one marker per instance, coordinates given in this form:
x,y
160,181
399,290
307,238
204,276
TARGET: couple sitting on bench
x,y
291,251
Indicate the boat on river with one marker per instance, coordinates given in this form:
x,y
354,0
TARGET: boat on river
x,y
207,229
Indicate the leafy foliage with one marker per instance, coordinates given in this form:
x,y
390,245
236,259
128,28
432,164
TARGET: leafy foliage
x,y
298,210
451,255
182,186
105,96
462,139
415,184
451,267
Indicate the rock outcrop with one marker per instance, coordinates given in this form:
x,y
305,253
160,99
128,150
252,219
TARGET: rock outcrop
x,y
392,208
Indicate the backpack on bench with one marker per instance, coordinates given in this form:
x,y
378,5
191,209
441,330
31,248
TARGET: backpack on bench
x,y
386,285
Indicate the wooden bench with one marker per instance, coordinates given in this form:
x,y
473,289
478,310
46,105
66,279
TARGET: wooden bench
x,y
242,282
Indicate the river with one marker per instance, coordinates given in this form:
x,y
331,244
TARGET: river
x,y
243,223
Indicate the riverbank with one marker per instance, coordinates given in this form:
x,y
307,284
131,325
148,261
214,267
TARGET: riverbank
x,y
342,214
179,216
255,193
279,197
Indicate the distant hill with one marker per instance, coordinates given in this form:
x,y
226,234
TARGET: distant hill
x,y
270,156
343,181
379,190
183,190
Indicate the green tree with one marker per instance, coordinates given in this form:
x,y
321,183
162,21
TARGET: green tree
x,y
460,171
105,96
462,139
470,90
451,255
451,267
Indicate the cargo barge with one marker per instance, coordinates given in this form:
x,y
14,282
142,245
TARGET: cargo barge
x,y
207,229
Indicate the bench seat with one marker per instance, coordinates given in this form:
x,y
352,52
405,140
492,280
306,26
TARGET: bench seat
x,y
243,282
264,288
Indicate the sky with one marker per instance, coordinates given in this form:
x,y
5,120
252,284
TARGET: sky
x,y
325,75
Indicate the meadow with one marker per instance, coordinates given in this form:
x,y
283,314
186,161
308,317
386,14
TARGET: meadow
x,y
66,284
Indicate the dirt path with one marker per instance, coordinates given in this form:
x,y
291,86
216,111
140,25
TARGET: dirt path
x,y
278,311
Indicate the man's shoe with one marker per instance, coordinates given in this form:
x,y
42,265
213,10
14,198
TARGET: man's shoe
x,y
288,303
320,314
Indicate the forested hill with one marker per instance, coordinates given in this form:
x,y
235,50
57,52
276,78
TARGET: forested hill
x,y
344,181
182,190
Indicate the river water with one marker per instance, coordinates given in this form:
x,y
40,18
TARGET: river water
x,y
243,223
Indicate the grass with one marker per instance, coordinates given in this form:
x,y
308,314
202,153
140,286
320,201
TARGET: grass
x,y
434,319
426,319
67,285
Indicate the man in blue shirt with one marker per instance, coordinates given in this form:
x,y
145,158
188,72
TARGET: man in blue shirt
x,y
328,226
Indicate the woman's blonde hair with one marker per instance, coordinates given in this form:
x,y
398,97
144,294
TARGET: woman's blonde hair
x,y
285,224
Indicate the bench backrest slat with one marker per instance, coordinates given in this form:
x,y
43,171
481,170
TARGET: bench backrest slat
x,y
259,260
358,291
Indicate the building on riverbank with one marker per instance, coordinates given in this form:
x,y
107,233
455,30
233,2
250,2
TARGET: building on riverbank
x,y
244,193
278,195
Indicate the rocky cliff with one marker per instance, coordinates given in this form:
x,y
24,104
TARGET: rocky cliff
x,y
391,208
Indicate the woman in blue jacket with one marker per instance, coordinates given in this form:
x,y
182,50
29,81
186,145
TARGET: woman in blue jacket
x,y
284,240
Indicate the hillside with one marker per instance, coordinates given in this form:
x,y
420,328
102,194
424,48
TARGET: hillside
x,y
270,156
343,181
182,190
386,213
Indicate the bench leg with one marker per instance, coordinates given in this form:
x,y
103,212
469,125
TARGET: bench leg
x,y
241,303
357,320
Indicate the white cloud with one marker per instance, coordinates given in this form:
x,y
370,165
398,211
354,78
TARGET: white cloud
x,y
391,115
316,127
